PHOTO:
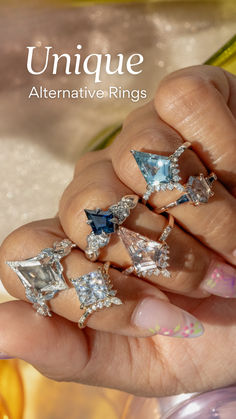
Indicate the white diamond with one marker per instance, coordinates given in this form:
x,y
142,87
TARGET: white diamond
x,y
91,288
146,254
116,301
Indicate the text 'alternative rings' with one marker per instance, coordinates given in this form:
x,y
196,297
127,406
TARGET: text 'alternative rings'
x,y
104,223
160,172
95,292
197,191
42,275
148,257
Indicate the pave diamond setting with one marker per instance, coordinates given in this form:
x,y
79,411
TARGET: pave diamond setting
x,y
148,257
42,275
160,172
104,223
95,292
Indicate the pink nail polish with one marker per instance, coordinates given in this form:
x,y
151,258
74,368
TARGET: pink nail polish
x,y
220,280
163,318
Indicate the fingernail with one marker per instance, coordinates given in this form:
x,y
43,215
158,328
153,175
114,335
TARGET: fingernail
x,y
234,253
5,356
220,280
163,318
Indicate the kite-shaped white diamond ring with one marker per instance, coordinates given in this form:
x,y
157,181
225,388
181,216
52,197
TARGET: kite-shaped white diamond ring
x,y
160,172
95,292
148,257
197,191
42,275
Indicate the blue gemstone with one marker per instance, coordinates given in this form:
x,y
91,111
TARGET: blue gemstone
x,y
101,221
182,199
155,169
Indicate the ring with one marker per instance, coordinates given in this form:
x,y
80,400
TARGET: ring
x,y
197,191
160,172
42,275
95,292
104,223
148,257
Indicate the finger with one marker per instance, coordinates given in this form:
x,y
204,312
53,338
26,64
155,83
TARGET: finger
x,y
196,102
190,262
115,319
44,342
212,223
62,352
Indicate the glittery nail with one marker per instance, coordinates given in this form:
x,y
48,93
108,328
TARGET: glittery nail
x,y
220,280
163,318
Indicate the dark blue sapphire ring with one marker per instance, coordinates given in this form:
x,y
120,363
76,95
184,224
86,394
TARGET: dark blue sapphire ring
x,y
161,173
198,190
106,222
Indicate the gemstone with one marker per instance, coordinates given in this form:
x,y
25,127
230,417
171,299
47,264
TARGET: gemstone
x,y
91,288
184,198
155,169
198,189
39,275
147,255
100,221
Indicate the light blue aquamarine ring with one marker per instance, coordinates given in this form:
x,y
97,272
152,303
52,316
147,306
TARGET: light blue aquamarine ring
x,y
160,172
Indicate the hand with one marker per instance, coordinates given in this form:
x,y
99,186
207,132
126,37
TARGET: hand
x,y
195,104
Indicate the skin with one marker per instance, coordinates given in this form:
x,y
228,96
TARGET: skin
x,y
195,104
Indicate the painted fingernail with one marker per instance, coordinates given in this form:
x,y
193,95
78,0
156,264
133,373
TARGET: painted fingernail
x,y
163,318
5,356
220,280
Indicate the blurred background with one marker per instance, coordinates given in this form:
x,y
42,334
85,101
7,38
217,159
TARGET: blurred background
x,y
40,140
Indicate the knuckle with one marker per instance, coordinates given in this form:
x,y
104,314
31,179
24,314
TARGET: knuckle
x,y
182,90
88,159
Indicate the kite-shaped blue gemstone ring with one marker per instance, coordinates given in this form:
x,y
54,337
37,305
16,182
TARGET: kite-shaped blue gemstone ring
x,y
160,172
197,191
105,222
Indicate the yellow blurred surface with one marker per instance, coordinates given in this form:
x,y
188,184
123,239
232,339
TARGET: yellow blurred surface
x,y
47,399
11,390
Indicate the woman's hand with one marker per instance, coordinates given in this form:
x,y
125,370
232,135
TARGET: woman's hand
x,y
195,104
